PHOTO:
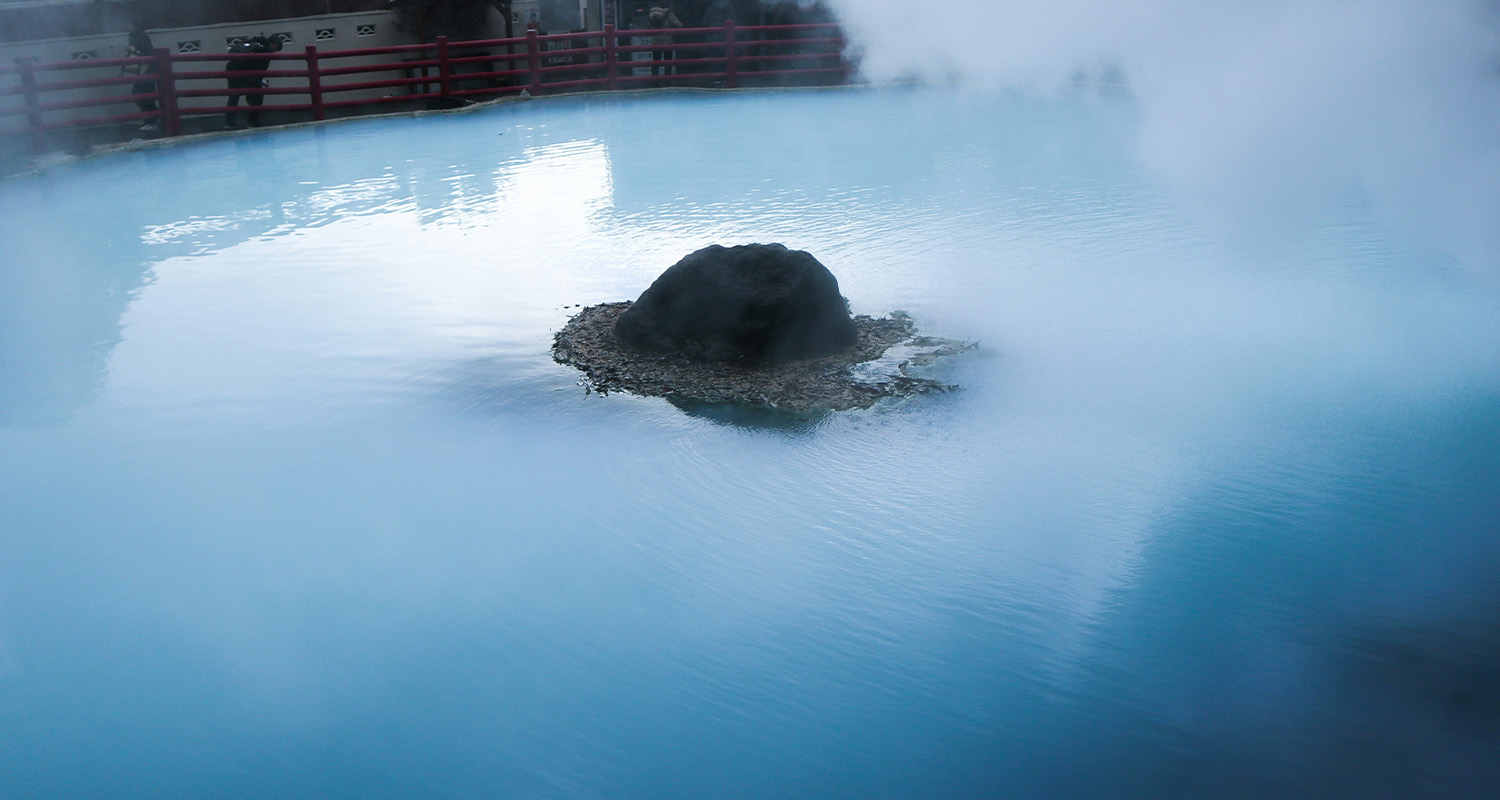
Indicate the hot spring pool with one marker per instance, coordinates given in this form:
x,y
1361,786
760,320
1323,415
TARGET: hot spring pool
x,y
294,502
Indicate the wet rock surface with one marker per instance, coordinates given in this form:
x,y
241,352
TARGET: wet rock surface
x,y
753,302
875,366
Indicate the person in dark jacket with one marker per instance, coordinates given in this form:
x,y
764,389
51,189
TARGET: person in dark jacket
x,y
661,20
250,66
138,45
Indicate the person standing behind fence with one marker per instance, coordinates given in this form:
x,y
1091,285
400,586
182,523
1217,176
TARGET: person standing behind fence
x,y
662,19
138,45
250,68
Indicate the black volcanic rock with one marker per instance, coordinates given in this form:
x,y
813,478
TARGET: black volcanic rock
x,y
756,302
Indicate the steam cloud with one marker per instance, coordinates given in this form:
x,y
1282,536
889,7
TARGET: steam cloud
x,y
1265,114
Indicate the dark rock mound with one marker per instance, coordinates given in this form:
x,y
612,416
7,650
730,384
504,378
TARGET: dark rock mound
x,y
734,333
756,302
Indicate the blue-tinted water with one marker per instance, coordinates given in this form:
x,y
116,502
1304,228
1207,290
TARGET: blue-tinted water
x,y
294,503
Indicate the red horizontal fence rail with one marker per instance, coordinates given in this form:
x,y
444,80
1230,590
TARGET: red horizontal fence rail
x,y
440,72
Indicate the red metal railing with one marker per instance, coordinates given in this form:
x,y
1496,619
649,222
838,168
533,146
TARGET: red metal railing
x,y
440,71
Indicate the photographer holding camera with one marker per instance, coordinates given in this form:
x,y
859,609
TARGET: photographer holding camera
x,y
250,77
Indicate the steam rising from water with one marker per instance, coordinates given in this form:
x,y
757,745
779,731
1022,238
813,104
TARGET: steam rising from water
x,y
288,478
1267,115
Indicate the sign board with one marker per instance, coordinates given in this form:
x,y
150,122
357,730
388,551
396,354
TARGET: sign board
x,y
640,55
558,60
526,13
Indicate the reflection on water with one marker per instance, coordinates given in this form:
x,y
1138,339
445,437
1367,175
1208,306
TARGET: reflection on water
x,y
294,500
60,303
755,417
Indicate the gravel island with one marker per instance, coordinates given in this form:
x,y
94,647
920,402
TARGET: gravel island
x,y
853,378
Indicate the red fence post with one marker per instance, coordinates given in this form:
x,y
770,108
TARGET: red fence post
x,y
166,92
314,81
534,59
445,69
33,101
611,57
731,62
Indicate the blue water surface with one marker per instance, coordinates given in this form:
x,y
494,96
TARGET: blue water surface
x,y
295,503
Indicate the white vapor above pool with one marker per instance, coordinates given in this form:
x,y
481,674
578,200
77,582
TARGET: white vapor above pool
x,y
294,502
1266,116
